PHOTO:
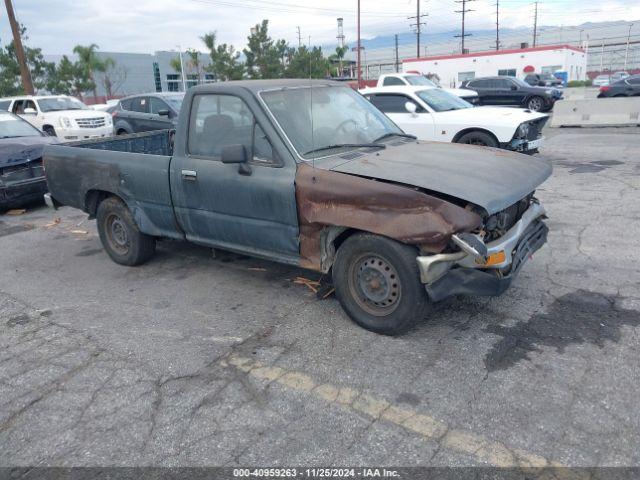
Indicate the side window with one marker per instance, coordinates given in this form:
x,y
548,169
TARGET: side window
x,y
126,104
262,149
216,121
4,104
392,103
156,105
392,81
634,81
140,105
18,107
480,84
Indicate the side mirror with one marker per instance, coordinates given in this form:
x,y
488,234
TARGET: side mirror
x,y
164,113
236,154
30,111
410,107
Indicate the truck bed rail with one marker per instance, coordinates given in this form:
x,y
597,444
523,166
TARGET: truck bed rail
x,y
159,142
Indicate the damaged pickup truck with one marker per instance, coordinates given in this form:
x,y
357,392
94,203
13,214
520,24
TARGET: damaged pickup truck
x,y
309,173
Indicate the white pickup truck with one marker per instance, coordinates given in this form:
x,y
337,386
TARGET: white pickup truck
x,y
416,80
61,116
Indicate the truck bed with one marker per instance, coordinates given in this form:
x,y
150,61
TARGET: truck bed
x,y
133,167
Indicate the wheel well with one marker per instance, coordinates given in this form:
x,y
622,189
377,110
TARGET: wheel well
x,y
44,127
461,133
93,198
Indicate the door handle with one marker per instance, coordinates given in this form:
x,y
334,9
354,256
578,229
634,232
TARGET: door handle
x,y
190,175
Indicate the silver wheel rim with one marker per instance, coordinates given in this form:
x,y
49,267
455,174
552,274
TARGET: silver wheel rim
x,y
535,104
117,234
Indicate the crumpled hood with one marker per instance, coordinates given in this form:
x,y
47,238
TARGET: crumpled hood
x,y
14,151
491,178
490,116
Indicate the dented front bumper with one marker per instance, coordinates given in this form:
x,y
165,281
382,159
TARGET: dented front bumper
x,y
488,272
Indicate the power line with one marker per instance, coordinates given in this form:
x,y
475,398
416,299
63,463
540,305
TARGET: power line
x,y
464,11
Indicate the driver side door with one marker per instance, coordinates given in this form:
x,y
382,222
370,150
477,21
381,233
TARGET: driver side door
x,y
421,123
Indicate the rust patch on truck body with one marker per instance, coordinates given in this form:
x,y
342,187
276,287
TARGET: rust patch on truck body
x,y
332,199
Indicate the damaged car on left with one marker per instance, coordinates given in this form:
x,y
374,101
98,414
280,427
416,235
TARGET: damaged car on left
x,y
21,172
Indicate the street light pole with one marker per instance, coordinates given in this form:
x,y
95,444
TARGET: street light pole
x,y
184,83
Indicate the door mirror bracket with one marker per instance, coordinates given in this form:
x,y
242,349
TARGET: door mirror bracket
x,y
236,154
411,108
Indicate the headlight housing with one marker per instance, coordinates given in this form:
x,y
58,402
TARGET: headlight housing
x,y
65,122
523,130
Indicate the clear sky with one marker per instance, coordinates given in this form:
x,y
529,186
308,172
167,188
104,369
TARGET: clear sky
x,y
150,25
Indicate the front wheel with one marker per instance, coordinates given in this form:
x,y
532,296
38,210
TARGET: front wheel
x,y
378,283
481,139
120,235
535,104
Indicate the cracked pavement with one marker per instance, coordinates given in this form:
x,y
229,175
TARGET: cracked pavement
x,y
200,360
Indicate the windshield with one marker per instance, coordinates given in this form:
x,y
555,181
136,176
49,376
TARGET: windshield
x,y
12,127
442,101
61,103
175,101
419,80
319,117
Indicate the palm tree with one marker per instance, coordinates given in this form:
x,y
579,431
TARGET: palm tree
x,y
90,63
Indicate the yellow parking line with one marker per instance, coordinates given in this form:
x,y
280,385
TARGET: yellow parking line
x,y
486,451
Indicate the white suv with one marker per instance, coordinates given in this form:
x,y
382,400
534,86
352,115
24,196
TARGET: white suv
x,y
61,116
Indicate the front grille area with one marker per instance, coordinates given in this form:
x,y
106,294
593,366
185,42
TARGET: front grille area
x,y
22,172
535,128
91,122
499,223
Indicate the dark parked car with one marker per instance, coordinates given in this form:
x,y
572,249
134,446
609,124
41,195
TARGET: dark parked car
x,y
21,174
310,173
629,87
144,113
543,80
514,92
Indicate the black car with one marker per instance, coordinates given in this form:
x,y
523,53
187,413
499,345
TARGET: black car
x,y
542,80
629,87
21,173
144,113
513,92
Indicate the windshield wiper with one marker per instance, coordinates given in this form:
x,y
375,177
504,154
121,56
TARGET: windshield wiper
x,y
346,145
387,135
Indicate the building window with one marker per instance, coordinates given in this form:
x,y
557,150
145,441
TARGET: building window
x,y
209,78
507,72
192,80
462,76
551,69
156,77
173,82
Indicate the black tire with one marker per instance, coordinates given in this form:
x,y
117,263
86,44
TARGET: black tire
x,y
122,131
377,282
481,139
49,130
120,235
536,104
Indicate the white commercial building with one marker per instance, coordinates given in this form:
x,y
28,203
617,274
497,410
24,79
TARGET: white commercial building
x,y
454,69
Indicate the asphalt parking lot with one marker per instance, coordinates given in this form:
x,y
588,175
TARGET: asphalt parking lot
x,y
200,360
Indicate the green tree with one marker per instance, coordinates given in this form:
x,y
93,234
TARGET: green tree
x,y
263,55
305,63
10,81
225,64
90,63
338,58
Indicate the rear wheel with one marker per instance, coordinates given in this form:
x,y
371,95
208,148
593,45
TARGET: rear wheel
x,y
535,104
120,235
482,139
378,284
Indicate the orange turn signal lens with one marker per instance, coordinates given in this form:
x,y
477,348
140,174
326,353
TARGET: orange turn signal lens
x,y
495,258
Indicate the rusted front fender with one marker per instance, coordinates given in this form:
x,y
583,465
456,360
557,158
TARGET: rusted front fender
x,y
332,199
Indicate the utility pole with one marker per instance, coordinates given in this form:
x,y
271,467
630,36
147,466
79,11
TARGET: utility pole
x,y
358,53
418,26
497,24
299,37
626,52
25,74
602,56
535,24
464,11
397,62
